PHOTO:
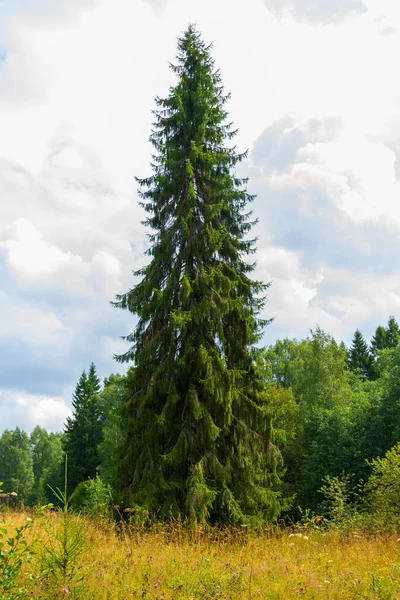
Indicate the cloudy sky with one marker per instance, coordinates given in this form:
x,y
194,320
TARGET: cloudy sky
x,y
316,95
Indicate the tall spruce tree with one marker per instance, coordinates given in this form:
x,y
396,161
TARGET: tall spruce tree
x,y
360,359
83,431
198,434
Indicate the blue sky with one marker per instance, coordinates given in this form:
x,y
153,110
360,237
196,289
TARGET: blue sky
x,y
315,95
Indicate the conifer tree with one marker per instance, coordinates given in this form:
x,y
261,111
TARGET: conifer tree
x,y
392,333
83,431
198,435
384,338
379,341
359,356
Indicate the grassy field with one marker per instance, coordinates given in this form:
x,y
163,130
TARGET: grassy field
x,y
172,563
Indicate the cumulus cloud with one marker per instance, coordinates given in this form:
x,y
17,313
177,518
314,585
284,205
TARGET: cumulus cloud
x,y
31,258
277,147
316,11
341,170
21,81
45,12
60,265
329,202
319,162
157,4
32,322
31,410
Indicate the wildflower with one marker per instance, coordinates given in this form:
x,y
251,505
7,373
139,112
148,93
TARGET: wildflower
x,y
65,590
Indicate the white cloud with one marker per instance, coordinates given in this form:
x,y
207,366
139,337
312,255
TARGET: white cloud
x,y
31,410
357,175
35,261
31,323
43,13
157,4
316,11
333,200
293,289
338,300
31,257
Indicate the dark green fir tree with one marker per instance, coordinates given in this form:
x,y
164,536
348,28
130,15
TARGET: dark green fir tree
x,y
392,333
379,340
198,434
360,359
83,431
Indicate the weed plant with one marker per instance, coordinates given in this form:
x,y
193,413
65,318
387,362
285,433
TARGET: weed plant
x,y
15,554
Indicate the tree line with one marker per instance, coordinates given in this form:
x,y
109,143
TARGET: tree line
x,y
206,425
332,424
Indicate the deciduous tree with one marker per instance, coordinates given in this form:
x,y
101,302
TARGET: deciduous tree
x,y
16,465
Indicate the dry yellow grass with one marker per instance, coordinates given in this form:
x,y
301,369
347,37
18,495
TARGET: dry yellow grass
x,y
172,563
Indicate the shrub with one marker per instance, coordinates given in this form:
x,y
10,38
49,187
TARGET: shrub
x,y
383,486
93,497
336,497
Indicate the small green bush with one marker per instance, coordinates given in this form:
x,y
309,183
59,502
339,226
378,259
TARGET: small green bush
x,y
336,497
383,486
93,497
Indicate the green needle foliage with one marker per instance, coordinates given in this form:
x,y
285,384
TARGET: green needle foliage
x,y
65,541
360,359
198,435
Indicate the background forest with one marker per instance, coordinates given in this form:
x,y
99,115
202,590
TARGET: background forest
x,y
336,421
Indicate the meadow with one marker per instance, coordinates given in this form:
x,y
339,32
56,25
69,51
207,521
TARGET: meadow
x,y
87,559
